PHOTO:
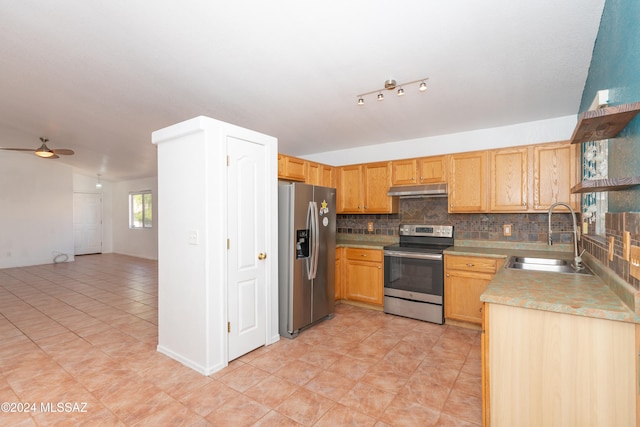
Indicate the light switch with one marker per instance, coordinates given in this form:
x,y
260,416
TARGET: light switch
x,y
193,237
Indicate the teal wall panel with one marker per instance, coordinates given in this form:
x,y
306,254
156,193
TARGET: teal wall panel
x,y
615,65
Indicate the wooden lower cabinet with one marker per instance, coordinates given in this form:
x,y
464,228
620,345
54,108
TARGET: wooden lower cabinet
x,y
340,256
542,368
363,275
466,278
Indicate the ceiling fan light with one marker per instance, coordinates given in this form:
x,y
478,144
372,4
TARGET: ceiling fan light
x,y
44,152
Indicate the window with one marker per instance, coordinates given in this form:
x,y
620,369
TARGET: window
x,y
594,166
140,211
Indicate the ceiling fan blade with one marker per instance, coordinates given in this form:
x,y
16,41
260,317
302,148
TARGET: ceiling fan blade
x,y
18,149
64,151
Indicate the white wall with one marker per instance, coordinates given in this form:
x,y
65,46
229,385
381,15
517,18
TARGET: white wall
x,y
83,183
36,210
557,129
141,243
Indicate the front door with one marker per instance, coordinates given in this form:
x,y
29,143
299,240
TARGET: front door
x,y
87,223
247,257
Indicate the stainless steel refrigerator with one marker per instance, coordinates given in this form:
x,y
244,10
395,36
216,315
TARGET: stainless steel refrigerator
x,y
306,255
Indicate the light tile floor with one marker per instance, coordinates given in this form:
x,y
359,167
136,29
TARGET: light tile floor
x,y
86,332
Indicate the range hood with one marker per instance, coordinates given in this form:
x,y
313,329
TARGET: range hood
x,y
415,191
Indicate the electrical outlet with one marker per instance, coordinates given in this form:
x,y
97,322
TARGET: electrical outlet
x,y
506,229
611,245
626,245
634,261
370,226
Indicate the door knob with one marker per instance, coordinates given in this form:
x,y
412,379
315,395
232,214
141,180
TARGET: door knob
x,y
262,256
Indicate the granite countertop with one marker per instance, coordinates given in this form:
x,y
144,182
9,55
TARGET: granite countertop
x,y
365,241
578,294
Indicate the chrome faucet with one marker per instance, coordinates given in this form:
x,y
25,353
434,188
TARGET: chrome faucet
x,y
577,260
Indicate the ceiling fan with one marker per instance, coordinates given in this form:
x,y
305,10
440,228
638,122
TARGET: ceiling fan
x,y
44,151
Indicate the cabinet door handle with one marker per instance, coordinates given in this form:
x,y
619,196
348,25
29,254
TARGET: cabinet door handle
x,y
447,274
363,254
469,265
379,267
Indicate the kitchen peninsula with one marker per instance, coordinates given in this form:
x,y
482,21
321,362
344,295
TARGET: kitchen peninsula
x,y
558,349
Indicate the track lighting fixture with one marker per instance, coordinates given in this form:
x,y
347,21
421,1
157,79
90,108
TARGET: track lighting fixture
x,y
390,85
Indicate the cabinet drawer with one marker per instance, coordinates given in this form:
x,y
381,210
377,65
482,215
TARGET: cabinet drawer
x,y
468,263
373,255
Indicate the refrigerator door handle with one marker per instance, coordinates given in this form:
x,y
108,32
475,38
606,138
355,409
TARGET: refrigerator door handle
x,y
316,239
309,260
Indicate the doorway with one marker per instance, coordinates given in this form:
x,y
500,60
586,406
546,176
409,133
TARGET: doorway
x,y
87,223
247,252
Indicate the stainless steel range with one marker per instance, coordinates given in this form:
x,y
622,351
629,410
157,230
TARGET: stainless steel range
x,y
414,272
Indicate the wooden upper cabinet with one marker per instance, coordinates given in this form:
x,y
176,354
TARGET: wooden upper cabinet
x,y
350,189
328,176
377,180
404,172
319,174
508,179
468,182
363,189
291,168
554,173
423,170
432,170
314,174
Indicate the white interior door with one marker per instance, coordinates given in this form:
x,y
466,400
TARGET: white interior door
x,y
247,257
87,223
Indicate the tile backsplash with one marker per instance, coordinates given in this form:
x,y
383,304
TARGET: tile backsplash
x,y
526,227
615,225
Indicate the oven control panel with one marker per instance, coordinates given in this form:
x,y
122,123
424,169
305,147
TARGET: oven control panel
x,y
426,230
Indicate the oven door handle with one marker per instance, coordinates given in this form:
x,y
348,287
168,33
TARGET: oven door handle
x,y
415,255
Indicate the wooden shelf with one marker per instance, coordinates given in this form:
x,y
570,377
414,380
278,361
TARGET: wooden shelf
x,y
604,123
609,184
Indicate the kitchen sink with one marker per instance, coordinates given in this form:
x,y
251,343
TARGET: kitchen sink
x,y
553,265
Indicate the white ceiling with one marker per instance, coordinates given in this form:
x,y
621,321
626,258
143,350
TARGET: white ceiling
x,y
99,76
